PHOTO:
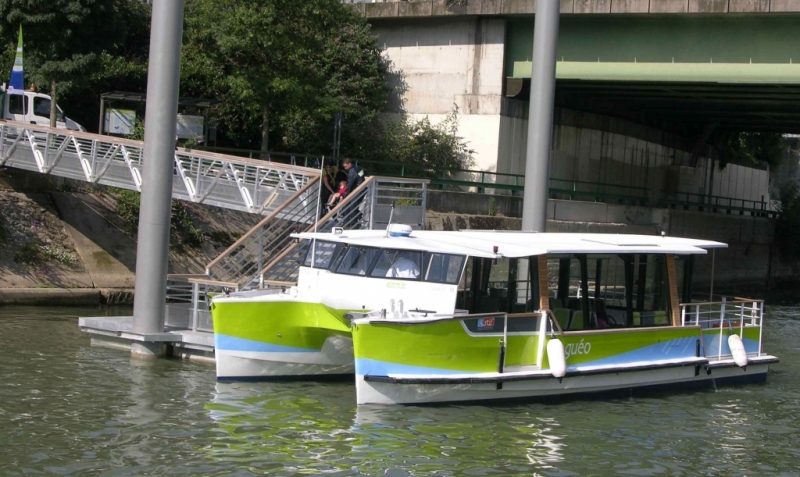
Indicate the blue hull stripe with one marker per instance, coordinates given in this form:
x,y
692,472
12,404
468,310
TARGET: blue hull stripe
x,y
231,343
672,349
382,368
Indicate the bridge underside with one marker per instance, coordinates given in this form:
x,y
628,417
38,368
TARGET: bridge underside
x,y
689,107
679,73
682,107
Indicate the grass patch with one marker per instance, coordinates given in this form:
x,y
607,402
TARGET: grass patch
x,y
33,254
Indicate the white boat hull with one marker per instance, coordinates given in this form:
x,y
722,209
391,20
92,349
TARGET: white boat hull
x,y
540,386
335,358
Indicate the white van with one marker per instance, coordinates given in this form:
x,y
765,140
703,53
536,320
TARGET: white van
x,y
34,108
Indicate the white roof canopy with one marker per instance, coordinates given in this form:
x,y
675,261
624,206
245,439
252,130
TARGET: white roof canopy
x,y
518,244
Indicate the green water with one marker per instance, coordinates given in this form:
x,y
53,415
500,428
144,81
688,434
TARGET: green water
x,y
67,408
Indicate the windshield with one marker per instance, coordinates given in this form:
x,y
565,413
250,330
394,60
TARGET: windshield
x,y
41,107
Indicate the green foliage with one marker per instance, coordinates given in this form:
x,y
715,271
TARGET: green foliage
x,y
34,254
138,131
752,147
181,224
429,150
283,66
787,228
28,254
128,209
66,42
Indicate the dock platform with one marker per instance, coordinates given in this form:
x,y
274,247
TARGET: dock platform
x,y
117,332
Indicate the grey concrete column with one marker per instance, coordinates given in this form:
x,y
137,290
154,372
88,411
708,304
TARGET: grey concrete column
x,y
540,116
152,252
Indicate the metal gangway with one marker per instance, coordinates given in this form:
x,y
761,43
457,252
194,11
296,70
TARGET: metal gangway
x,y
238,183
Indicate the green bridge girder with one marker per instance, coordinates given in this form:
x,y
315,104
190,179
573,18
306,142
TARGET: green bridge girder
x,y
675,71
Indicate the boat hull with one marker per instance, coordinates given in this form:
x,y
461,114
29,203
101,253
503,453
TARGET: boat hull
x,y
548,387
280,338
457,360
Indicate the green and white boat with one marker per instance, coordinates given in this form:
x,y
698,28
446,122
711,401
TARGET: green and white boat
x,y
424,317
304,330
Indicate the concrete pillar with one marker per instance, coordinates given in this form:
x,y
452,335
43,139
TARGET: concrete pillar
x,y
540,116
152,252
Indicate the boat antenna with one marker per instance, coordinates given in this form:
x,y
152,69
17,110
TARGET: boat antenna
x,y
316,212
391,213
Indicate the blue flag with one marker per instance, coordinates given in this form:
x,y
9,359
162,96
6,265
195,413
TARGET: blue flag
x,y
15,85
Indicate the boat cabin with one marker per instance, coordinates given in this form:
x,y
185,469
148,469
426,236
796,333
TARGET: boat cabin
x,y
588,281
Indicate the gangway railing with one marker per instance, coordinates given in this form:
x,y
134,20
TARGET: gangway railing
x,y
241,261
369,207
226,181
267,255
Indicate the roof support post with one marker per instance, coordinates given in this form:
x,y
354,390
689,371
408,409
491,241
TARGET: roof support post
x,y
152,253
540,116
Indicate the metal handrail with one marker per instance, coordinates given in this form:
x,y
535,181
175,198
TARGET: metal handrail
x,y
238,243
242,261
326,223
198,176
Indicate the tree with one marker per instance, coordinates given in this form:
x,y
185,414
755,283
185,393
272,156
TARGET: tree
x,y
283,66
65,40
752,147
424,148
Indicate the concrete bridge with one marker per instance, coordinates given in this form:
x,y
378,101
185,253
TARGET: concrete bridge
x,y
642,85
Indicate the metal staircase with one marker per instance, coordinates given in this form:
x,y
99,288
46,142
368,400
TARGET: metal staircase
x,y
225,181
267,256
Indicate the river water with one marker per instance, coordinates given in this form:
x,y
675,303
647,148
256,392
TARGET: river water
x,y
67,408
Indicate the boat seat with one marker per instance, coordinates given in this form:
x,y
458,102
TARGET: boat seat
x,y
577,322
555,303
650,318
660,318
562,317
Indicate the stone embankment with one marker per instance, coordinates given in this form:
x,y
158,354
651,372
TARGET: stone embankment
x,y
62,243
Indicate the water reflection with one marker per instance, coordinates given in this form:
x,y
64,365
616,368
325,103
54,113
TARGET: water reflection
x,y
328,433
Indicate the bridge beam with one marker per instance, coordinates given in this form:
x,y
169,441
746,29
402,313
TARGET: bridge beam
x,y
152,253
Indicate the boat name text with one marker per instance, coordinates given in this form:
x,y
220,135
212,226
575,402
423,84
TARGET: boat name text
x,y
577,348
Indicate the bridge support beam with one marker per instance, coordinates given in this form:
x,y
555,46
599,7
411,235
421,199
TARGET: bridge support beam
x,y
152,253
540,116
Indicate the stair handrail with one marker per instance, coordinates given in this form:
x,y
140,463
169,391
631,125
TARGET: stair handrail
x,y
256,228
349,198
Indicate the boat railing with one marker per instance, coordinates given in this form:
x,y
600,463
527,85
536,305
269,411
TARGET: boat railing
x,y
733,314
188,301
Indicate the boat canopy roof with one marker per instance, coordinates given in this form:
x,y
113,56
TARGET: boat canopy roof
x,y
517,244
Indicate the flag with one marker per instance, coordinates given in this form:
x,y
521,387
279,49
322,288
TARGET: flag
x,y
15,85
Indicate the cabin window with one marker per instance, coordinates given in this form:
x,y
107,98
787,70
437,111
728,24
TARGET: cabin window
x,y
401,264
323,254
484,286
356,260
17,104
443,268
602,291
41,107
